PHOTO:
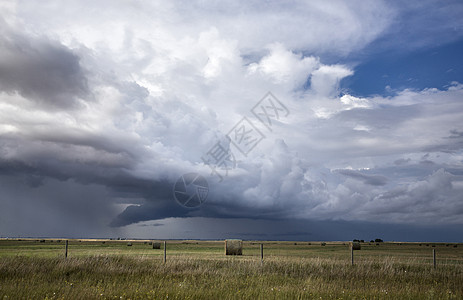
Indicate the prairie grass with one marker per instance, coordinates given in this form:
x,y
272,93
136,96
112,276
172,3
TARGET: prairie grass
x,y
201,271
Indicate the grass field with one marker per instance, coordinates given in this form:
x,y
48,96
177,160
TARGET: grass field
x,y
200,270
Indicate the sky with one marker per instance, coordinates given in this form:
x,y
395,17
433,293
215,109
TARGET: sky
x,y
294,120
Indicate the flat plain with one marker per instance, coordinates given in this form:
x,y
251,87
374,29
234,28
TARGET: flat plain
x,y
110,269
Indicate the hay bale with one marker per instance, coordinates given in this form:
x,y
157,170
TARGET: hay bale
x,y
156,245
233,247
355,245
129,244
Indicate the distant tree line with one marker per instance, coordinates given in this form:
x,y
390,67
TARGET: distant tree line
x,y
371,241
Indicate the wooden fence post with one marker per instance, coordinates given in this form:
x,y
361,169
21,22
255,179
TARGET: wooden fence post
x,y
434,257
261,254
165,251
66,249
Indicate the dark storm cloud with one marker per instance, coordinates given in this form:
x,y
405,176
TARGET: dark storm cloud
x,y
159,204
40,69
53,208
152,210
112,174
47,164
36,171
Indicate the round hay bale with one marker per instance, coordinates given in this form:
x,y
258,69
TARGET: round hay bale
x,y
156,245
233,247
355,245
129,244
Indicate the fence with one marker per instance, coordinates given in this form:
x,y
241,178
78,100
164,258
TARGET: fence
x,y
433,254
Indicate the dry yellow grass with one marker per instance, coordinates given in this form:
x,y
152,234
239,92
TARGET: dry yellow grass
x,y
200,270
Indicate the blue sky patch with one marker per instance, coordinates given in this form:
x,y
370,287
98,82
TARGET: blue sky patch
x,y
388,72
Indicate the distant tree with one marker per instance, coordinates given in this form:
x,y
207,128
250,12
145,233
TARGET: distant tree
x,y
371,241
362,241
378,240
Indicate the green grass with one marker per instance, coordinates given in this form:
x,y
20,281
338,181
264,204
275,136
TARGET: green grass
x,y
200,270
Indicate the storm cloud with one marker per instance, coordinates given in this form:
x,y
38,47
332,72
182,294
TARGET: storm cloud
x,y
102,112
40,70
